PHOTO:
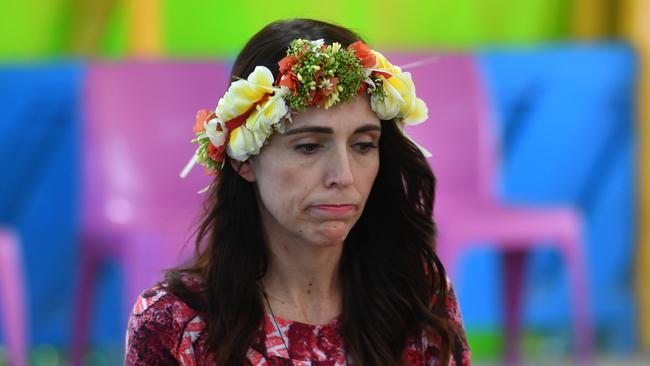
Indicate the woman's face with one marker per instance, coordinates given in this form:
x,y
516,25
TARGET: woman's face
x,y
314,179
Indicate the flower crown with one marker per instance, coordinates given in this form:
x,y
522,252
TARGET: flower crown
x,y
311,75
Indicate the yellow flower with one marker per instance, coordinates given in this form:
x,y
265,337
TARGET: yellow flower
x,y
261,121
385,66
242,94
242,144
418,114
399,100
249,138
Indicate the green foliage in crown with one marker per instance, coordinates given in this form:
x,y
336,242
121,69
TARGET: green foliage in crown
x,y
321,75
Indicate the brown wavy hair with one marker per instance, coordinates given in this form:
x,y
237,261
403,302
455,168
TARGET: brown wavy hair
x,y
389,270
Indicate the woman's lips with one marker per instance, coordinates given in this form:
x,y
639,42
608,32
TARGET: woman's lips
x,y
341,209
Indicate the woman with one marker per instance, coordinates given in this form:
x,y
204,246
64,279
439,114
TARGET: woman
x,y
316,243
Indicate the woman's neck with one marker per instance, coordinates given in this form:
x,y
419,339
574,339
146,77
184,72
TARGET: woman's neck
x,y
302,281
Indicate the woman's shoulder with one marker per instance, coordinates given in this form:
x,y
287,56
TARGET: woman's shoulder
x,y
158,324
161,298
158,299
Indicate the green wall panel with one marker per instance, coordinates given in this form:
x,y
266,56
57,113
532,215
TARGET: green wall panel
x,y
208,28
43,29
34,29
220,28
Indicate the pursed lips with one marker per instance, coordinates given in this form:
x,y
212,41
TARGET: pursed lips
x,y
336,208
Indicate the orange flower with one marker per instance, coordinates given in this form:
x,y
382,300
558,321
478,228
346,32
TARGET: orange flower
x,y
287,63
364,53
201,117
290,80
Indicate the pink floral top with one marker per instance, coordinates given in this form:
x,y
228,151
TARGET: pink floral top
x,y
163,330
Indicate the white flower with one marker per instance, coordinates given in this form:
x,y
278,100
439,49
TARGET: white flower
x,y
387,107
217,138
242,94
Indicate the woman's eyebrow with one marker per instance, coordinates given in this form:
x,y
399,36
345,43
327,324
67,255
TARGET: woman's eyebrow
x,y
328,130
368,128
315,129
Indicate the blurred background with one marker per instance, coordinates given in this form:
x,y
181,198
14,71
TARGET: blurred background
x,y
97,100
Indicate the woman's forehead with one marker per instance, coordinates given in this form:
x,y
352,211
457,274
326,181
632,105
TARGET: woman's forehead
x,y
350,115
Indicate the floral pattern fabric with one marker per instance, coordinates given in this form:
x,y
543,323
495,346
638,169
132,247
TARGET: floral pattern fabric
x,y
163,330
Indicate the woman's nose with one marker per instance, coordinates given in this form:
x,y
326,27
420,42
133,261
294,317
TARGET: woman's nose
x,y
339,170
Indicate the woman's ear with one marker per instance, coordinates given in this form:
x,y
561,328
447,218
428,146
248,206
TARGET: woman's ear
x,y
244,169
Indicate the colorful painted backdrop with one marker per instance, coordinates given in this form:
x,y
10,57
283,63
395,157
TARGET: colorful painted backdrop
x,y
46,45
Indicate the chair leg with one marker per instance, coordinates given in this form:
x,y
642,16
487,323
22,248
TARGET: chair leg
x,y
89,261
12,298
580,304
513,265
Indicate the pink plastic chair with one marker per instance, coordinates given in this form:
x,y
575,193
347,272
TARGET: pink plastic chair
x,y
12,302
136,209
467,211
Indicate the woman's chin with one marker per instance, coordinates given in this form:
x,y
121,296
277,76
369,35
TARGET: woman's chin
x,y
332,233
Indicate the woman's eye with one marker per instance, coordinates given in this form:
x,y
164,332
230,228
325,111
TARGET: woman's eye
x,y
364,147
307,148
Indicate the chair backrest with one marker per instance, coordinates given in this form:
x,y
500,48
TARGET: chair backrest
x,y
458,131
138,127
